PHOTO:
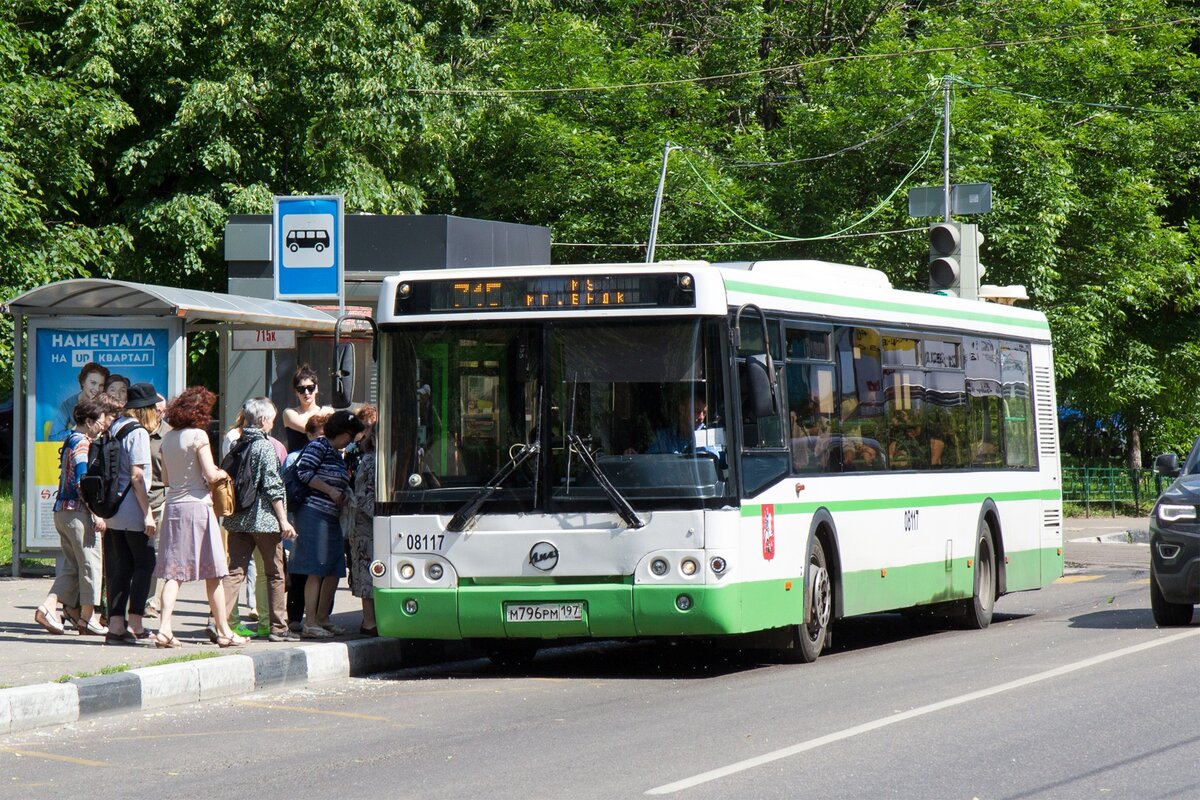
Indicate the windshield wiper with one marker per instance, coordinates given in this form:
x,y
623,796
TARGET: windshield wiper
x,y
465,515
619,503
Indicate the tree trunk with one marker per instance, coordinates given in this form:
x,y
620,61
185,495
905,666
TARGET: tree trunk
x,y
1135,447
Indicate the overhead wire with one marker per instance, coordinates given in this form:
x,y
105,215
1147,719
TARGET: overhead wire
x,y
824,156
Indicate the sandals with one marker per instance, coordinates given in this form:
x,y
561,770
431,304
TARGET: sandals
x,y
74,616
168,642
231,641
91,628
44,617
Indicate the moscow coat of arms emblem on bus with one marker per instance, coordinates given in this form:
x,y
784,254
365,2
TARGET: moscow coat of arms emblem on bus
x,y
768,531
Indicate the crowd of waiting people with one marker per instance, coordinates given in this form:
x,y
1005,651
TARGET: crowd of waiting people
x,y
119,570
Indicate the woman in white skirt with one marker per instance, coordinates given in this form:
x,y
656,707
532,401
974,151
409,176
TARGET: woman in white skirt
x,y
190,546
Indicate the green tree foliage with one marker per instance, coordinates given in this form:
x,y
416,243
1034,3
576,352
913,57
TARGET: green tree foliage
x,y
140,125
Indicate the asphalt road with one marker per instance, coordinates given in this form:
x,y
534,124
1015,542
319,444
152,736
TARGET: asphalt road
x,y
1072,693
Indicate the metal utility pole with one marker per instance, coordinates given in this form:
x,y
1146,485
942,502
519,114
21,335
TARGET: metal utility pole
x,y
946,142
658,196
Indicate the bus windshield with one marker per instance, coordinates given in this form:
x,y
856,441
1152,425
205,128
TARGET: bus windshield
x,y
637,405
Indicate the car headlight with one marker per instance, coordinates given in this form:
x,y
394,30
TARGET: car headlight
x,y
1169,512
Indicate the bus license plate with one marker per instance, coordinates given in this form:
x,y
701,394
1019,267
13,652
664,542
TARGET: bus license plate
x,y
543,612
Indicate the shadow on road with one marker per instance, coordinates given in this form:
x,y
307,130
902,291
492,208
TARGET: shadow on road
x,y
1116,619
683,659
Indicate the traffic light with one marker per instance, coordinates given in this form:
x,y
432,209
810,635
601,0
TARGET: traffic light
x,y
954,267
945,254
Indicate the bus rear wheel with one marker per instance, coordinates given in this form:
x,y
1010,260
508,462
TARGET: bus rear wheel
x,y
814,634
977,612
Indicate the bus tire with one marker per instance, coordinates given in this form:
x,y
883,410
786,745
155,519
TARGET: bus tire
x,y
977,612
1166,613
815,632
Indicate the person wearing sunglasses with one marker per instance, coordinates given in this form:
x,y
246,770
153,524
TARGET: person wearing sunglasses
x,y
304,382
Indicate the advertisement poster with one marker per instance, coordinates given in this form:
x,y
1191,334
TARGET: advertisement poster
x,y
140,353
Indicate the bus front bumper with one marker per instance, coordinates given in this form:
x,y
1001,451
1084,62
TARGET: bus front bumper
x,y
608,610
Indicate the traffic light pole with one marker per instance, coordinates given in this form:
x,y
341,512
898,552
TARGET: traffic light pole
x,y
946,142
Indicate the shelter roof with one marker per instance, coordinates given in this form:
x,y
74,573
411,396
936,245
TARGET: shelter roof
x,y
111,298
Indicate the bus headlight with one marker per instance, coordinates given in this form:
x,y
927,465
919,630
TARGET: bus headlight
x,y
378,568
660,567
719,565
407,570
688,566
434,571
410,606
683,602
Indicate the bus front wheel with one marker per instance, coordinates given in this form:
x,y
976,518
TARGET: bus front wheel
x,y
977,612
813,635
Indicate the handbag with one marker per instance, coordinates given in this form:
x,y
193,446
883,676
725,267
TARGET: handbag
x,y
222,496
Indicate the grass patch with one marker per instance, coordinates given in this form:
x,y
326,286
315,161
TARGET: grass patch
x,y
113,670
6,523
118,668
6,519
1105,509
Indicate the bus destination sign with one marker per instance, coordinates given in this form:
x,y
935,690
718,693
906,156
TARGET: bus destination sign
x,y
548,293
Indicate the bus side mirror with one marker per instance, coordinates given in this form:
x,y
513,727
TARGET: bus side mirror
x,y
1167,464
756,380
343,375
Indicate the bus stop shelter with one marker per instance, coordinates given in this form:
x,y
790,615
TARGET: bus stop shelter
x,y
137,330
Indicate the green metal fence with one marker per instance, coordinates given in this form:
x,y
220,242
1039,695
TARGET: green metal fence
x,y
1111,490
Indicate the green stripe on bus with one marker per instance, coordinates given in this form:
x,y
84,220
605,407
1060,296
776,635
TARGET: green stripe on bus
x,y
885,588
884,305
878,504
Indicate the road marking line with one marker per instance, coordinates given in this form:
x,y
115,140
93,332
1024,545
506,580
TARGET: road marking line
x,y
1077,578
867,727
310,710
83,762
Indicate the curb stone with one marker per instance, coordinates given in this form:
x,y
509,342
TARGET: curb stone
x,y
25,708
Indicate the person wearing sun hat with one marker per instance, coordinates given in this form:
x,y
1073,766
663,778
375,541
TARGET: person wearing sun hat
x,y
128,553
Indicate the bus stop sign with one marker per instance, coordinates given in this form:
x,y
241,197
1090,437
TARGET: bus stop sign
x,y
307,247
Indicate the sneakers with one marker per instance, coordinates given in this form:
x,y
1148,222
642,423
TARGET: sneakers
x,y
286,636
295,627
244,632
314,632
264,630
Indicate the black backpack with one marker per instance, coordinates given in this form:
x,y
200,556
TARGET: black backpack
x,y
100,486
245,482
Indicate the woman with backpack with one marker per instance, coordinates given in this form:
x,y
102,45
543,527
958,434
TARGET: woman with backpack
x,y
78,584
259,522
190,547
128,553
320,547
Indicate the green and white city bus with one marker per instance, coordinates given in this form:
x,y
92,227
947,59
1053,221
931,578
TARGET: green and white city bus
x,y
685,449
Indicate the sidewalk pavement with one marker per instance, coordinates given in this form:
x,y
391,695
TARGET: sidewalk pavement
x,y
1095,542
37,669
